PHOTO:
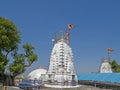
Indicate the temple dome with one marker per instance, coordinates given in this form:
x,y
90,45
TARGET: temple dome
x,y
36,74
105,67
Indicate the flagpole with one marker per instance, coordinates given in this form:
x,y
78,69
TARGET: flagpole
x,y
109,51
109,56
70,26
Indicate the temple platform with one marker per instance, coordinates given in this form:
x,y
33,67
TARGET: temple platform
x,y
59,86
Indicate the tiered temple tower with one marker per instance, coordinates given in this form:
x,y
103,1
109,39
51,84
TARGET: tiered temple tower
x,y
61,67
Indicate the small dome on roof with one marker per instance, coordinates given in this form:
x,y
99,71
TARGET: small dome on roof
x,y
36,74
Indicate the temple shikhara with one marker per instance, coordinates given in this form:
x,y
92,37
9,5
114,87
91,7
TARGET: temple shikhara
x,y
105,65
61,66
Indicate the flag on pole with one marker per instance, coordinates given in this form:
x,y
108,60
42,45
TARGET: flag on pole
x,y
109,50
71,26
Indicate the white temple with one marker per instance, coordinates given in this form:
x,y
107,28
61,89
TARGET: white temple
x,y
61,70
105,67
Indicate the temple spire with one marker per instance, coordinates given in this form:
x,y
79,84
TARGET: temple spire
x,y
61,70
70,26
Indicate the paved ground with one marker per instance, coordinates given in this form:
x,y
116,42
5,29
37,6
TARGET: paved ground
x,y
80,88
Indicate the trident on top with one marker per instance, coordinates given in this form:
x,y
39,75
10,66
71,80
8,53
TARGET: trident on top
x,y
70,26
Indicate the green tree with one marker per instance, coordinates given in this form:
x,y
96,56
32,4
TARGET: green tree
x,y
21,61
118,69
29,54
9,44
9,40
115,66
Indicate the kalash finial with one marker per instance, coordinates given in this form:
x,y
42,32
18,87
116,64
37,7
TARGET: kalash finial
x,y
70,26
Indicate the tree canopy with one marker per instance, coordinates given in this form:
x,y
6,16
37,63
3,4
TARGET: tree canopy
x,y
9,40
9,51
115,66
9,36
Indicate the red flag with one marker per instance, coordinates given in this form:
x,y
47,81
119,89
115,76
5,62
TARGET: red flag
x,y
70,26
109,50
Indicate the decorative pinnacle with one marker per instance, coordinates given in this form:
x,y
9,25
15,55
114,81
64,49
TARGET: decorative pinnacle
x,y
59,35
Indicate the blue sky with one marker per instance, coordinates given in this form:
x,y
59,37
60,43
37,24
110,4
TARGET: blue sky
x,y
97,28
